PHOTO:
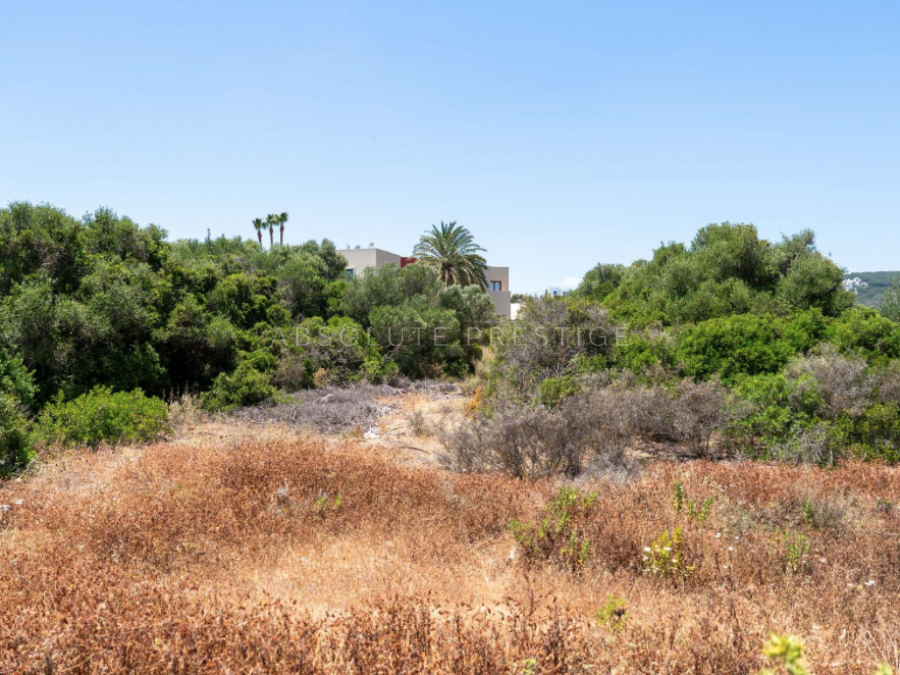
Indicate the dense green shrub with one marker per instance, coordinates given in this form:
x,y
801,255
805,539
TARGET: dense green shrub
x,y
726,270
15,444
247,385
746,344
864,331
643,351
555,389
101,416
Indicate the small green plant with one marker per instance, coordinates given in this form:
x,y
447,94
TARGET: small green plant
x,y
694,512
612,616
558,536
787,651
702,513
809,513
679,496
665,556
796,548
528,666
323,504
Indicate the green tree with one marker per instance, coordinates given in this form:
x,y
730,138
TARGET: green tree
x,y
258,225
282,219
451,250
600,281
890,301
271,221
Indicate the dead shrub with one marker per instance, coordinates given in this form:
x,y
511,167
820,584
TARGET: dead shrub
x,y
842,382
523,441
698,411
418,424
332,409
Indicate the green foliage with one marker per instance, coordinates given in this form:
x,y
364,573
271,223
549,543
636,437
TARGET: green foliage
x,y
15,444
786,651
890,301
613,615
247,385
665,557
101,416
551,337
641,351
864,331
555,389
726,270
796,548
746,344
558,536
324,504
679,496
600,282
694,512
339,347
451,251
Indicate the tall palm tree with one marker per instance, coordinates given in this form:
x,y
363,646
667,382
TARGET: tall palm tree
x,y
282,218
258,225
271,219
452,251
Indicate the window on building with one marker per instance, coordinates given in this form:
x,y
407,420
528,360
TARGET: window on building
x,y
496,285
350,272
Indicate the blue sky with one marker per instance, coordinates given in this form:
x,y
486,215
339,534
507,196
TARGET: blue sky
x,y
561,133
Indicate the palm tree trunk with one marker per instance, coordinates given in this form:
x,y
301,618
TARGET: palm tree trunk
x,y
271,236
259,234
281,243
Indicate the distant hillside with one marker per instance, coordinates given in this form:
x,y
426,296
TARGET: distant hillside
x,y
878,283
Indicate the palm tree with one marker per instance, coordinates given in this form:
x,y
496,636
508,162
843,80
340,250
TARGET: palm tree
x,y
258,225
283,218
271,219
452,251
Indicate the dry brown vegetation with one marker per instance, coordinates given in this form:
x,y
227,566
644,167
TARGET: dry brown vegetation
x,y
269,552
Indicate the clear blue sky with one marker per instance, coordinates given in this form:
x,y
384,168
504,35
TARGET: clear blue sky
x,y
561,133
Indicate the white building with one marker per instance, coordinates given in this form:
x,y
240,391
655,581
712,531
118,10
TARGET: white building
x,y
358,259
556,292
855,284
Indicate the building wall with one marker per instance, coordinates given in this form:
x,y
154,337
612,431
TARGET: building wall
x,y
385,257
358,259
502,298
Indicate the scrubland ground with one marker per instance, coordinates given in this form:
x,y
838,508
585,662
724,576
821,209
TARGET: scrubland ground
x,y
254,548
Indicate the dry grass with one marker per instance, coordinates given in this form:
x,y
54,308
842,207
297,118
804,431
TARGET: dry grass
x,y
278,553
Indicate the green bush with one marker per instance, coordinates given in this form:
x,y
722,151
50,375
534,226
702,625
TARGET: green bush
x,y
555,389
15,445
245,386
863,331
746,344
101,416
